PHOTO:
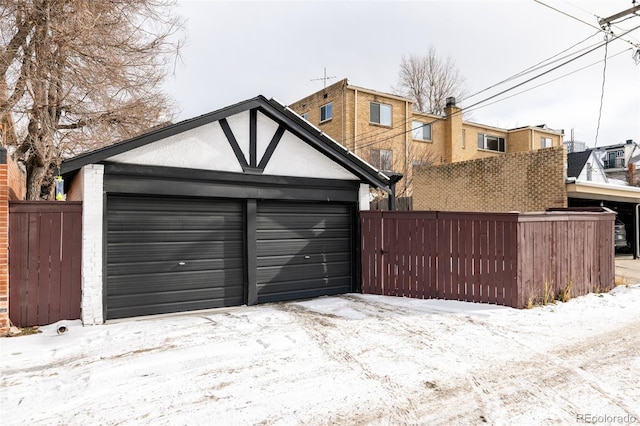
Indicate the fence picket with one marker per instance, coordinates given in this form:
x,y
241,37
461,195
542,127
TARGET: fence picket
x,y
485,257
45,241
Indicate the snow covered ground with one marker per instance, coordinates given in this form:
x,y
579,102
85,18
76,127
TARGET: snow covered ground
x,y
352,359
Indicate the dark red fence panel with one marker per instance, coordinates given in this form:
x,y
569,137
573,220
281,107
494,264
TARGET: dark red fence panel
x,y
45,246
501,258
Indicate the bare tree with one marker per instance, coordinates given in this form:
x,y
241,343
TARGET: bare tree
x,y
389,156
79,74
429,80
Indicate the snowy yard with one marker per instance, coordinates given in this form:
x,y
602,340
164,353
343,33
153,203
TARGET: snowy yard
x,y
352,359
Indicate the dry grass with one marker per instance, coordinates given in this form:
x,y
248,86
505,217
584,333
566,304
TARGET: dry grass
x,y
548,296
621,280
24,331
564,295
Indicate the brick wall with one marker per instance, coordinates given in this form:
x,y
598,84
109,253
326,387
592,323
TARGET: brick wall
x,y
92,225
4,242
12,187
523,181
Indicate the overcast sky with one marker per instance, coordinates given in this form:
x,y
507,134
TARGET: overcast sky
x,y
237,50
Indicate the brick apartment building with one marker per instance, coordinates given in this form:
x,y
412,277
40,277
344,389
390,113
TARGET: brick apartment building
x,y
384,130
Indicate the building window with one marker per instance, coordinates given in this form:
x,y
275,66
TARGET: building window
x,y
491,143
306,116
326,112
382,159
545,142
614,160
380,113
463,136
421,131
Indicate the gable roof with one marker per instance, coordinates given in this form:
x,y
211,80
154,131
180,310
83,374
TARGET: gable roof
x,y
576,162
271,108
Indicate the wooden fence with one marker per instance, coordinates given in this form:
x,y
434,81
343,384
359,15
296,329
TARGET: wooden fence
x,y
45,243
508,259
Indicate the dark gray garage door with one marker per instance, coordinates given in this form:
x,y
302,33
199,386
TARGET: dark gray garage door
x,y
173,254
303,250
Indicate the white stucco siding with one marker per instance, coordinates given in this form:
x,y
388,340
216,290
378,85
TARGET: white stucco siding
x,y
364,197
92,177
294,157
266,129
205,147
239,125
597,173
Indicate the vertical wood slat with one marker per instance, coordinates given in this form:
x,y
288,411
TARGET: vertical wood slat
x,y
45,244
502,258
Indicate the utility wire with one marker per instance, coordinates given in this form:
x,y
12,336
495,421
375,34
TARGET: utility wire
x,y
502,92
537,66
546,82
580,20
471,107
604,76
377,131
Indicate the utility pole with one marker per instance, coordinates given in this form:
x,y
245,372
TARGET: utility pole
x,y
607,21
325,78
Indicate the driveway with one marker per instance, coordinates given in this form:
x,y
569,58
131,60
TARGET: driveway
x,y
352,359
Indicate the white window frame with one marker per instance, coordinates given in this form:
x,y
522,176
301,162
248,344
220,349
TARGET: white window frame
x,y
484,140
326,110
546,142
384,119
418,130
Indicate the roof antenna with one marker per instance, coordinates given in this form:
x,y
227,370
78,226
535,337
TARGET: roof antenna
x,y
325,78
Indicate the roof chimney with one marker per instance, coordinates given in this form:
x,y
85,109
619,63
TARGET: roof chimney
x,y
451,102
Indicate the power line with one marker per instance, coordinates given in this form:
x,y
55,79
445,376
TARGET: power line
x,y
604,76
470,107
537,66
361,138
546,82
552,69
584,22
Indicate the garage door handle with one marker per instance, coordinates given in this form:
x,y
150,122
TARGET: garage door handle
x,y
181,263
307,257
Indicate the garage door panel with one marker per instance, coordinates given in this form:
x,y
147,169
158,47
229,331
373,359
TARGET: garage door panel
x,y
167,308
165,236
303,271
159,282
131,220
294,290
303,250
293,234
174,252
171,254
161,266
302,247
302,221
135,204
178,296
275,260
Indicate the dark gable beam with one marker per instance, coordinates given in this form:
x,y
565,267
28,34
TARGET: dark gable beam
x,y
272,147
315,138
253,126
233,142
272,109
